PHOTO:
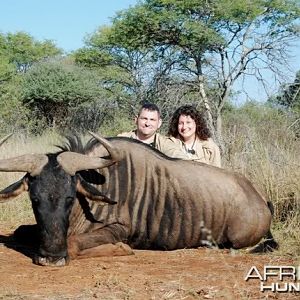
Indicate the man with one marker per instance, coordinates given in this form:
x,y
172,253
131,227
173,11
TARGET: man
x,y
148,121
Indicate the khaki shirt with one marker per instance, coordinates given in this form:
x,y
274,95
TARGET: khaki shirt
x,y
205,151
162,143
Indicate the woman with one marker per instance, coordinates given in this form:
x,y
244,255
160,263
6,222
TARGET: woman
x,y
188,128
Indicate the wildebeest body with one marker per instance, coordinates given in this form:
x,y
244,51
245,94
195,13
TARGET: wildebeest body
x,y
160,203
169,204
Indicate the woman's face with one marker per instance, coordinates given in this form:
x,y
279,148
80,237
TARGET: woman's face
x,y
186,127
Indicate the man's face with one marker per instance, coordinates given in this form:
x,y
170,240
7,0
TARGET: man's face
x,y
147,123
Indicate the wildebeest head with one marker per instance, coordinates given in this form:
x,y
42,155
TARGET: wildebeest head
x,y
52,182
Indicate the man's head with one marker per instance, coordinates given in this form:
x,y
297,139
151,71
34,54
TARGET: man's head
x,y
148,121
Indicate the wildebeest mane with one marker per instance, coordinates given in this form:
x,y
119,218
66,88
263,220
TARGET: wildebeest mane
x,y
73,143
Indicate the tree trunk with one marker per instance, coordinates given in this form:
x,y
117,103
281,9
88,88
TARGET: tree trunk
x,y
207,106
219,136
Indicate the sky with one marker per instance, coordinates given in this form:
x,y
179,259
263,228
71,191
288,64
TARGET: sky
x,y
68,22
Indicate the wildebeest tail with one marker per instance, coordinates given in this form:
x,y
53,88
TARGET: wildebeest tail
x,y
268,244
271,207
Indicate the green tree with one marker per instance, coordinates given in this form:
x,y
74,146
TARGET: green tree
x,y
289,96
21,50
288,100
132,75
6,68
212,43
55,89
14,117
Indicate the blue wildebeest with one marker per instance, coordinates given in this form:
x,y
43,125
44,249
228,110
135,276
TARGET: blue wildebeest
x,y
153,202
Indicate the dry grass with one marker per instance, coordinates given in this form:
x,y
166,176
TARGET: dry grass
x,y
268,155
262,146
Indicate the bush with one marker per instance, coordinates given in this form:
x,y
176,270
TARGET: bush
x,y
261,144
56,89
14,117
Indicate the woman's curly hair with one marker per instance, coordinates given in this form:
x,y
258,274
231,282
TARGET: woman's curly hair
x,y
202,130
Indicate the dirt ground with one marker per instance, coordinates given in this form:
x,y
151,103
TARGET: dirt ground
x,y
181,274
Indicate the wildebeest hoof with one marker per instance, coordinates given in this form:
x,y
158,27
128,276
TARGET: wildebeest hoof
x,y
123,249
50,261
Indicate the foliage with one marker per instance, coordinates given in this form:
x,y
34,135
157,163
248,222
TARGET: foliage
x,y
289,96
205,45
22,50
6,69
14,117
126,73
169,52
260,144
116,122
55,89
17,53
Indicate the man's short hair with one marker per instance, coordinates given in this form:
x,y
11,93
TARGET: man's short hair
x,y
149,106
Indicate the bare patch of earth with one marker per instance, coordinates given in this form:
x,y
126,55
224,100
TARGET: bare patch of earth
x,y
181,274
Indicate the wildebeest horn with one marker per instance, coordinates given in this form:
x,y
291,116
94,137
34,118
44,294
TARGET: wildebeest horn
x,y
31,163
5,138
114,153
72,162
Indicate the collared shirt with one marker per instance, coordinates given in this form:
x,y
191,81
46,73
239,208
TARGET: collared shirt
x,y
205,151
133,135
162,143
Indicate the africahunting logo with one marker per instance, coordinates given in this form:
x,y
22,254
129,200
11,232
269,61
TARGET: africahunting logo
x,y
282,279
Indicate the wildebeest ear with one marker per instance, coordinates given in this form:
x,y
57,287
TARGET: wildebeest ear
x,y
14,190
91,192
92,176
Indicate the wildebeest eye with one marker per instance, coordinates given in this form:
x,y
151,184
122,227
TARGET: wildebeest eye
x,y
69,201
34,200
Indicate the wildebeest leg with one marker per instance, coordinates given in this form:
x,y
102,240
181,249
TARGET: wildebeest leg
x,y
118,249
107,241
